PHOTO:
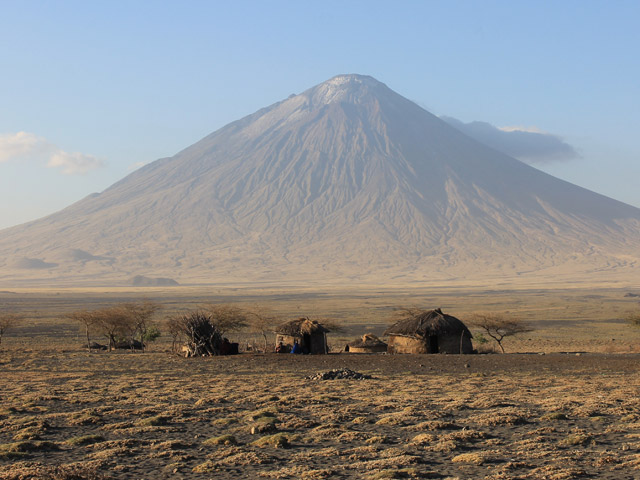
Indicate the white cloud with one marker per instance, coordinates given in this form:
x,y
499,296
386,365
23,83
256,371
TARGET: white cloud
x,y
25,146
528,144
74,163
519,128
22,145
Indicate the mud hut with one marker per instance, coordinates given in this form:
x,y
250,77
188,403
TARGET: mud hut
x,y
369,343
429,331
310,335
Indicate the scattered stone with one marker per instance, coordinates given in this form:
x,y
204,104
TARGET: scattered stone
x,y
263,428
339,374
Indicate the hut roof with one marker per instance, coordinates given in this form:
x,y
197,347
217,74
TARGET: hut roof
x,y
301,326
367,340
426,323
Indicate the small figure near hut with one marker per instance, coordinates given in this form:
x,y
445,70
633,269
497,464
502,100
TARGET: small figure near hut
x,y
369,343
429,331
310,336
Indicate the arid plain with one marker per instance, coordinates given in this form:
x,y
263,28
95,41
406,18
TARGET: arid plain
x,y
562,403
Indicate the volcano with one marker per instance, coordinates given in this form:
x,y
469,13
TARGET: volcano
x,y
346,182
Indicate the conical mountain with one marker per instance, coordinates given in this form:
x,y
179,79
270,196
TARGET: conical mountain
x,y
346,182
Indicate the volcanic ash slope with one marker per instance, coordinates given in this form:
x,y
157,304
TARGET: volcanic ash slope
x,y
346,182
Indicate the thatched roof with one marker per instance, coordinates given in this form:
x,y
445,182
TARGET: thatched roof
x,y
299,327
426,323
368,340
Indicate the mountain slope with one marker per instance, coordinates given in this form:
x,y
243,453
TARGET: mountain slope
x,y
347,181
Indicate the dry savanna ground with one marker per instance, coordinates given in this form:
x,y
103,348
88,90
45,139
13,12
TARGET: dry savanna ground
x,y
68,414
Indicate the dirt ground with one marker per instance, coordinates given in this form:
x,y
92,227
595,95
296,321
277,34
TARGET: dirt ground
x,y
68,414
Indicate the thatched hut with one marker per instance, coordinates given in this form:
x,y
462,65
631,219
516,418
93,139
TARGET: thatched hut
x,y
429,331
369,343
309,334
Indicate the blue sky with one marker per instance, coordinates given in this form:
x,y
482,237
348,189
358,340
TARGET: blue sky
x,y
89,90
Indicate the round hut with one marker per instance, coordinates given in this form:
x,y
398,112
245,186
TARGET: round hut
x,y
429,331
369,343
309,334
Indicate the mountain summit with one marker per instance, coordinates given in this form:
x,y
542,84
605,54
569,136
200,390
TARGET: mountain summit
x,y
345,182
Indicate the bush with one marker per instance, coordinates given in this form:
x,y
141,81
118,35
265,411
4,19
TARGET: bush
x,y
202,336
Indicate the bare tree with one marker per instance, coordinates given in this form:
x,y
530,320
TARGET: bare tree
x,y
174,325
85,318
499,326
227,318
119,323
262,321
140,319
114,323
8,321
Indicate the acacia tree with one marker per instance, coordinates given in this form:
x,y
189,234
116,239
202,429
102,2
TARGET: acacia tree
x,y
140,320
261,321
7,321
85,318
113,323
174,326
499,326
120,322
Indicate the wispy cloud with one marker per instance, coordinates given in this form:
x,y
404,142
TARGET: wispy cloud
x,y
74,163
136,166
528,144
520,128
25,146
22,145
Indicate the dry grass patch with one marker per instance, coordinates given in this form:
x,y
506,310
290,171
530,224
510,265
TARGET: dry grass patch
x,y
19,449
221,440
155,421
277,440
423,439
475,458
575,439
553,416
85,440
53,472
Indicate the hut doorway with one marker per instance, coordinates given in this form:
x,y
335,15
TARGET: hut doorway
x,y
306,343
433,344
